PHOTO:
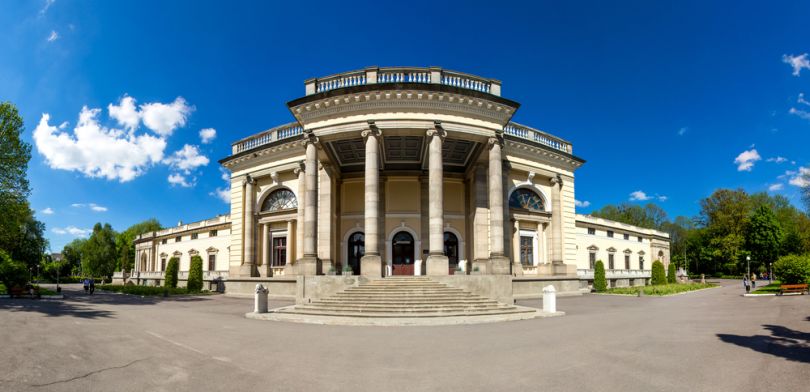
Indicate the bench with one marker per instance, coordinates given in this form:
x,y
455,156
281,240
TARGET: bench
x,y
19,292
792,288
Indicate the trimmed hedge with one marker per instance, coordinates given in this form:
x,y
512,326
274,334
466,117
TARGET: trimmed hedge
x,y
658,275
195,275
671,273
147,290
599,280
171,273
792,269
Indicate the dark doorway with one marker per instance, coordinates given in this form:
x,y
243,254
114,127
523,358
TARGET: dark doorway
x,y
357,248
451,250
402,248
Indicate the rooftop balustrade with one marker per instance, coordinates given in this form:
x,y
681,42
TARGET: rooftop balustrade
x,y
538,136
380,75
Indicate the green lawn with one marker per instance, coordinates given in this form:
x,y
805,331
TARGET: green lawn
x,y
148,290
660,290
772,288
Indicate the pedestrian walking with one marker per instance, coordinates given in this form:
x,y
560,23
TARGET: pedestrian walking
x,y
745,283
754,281
86,285
92,286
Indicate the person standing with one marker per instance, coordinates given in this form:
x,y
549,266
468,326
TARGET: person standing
x,y
745,283
754,281
86,285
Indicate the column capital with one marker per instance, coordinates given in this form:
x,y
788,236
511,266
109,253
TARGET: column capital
x,y
495,140
437,130
301,168
309,137
556,180
372,131
248,180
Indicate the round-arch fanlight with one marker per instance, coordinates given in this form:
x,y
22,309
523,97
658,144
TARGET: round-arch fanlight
x,y
279,200
526,199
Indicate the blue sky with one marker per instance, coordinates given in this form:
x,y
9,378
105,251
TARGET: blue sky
x,y
658,98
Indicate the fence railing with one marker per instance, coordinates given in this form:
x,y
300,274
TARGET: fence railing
x,y
426,75
282,132
615,273
538,136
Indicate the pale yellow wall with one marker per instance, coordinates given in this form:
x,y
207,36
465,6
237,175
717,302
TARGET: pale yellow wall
x,y
352,197
402,194
453,196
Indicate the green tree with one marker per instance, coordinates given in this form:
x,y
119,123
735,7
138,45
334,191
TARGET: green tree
x,y
12,273
72,255
195,275
124,242
792,269
658,275
98,253
649,216
599,281
724,216
763,237
671,274
172,269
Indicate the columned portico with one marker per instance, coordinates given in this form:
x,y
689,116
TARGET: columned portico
x,y
249,264
437,262
371,263
308,263
499,264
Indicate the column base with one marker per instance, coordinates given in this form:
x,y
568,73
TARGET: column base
x,y
517,269
248,270
438,265
499,265
564,269
307,265
371,266
324,265
480,267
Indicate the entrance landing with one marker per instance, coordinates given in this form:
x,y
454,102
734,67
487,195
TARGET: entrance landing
x,y
393,301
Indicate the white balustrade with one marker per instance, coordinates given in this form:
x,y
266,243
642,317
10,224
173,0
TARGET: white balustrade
x,y
536,135
403,75
355,78
279,133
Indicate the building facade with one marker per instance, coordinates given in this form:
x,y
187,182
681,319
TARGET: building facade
x,y
402,171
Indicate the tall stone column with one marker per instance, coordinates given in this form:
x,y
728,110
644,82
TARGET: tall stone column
x,y
499,263
556,221
249,262
517,267
480,221
266,243
308,263
437,262
371,262
325,216
288,260
298,239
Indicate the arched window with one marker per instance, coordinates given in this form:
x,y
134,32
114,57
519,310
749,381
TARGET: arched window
x,y
279,200
451,250
526,199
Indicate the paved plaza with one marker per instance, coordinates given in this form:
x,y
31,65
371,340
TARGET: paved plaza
x,y
712,340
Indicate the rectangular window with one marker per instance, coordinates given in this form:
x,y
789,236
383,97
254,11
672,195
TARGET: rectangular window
x,y
610,233
627,262
610,261
641,262
639,239
591,231
279,251
177,239
526,250
163,241
626,236
212,262
212,233
592,259
163,264
194,236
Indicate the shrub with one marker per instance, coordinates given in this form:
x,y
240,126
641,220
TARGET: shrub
x,y
658,276
599,280
671,273
171,273
12,273
792,269
195,275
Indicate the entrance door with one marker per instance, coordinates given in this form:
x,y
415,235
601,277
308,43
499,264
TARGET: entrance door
x,y
402,250
451,250
356,249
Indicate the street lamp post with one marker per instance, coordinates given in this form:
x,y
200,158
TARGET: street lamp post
x,y
748,266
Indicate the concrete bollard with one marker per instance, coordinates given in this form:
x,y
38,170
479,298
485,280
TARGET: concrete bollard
x,y
549,299
260,299
702,279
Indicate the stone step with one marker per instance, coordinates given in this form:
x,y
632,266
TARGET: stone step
x,y
403,309
397,298
410,315
407,291
416,301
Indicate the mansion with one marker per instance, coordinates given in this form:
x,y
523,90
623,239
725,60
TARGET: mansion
x,y
403,171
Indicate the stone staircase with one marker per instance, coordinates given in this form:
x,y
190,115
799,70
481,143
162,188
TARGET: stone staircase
x,y
411,300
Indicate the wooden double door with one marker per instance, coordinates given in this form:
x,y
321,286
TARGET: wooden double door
x,y
402,254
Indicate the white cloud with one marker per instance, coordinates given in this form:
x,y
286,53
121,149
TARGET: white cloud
x,y
125,113
207,134
682,131
53,36
777,159
223,194
48,4
776,187
179,179
95,150
93,206
165,118
48,211
186,159
639,196
797,62
226,176
662,198
800,113
745,161
582,204
801,100
72,230
800,178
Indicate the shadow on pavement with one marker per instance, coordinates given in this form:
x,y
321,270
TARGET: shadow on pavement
x,y
783,342
54,308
